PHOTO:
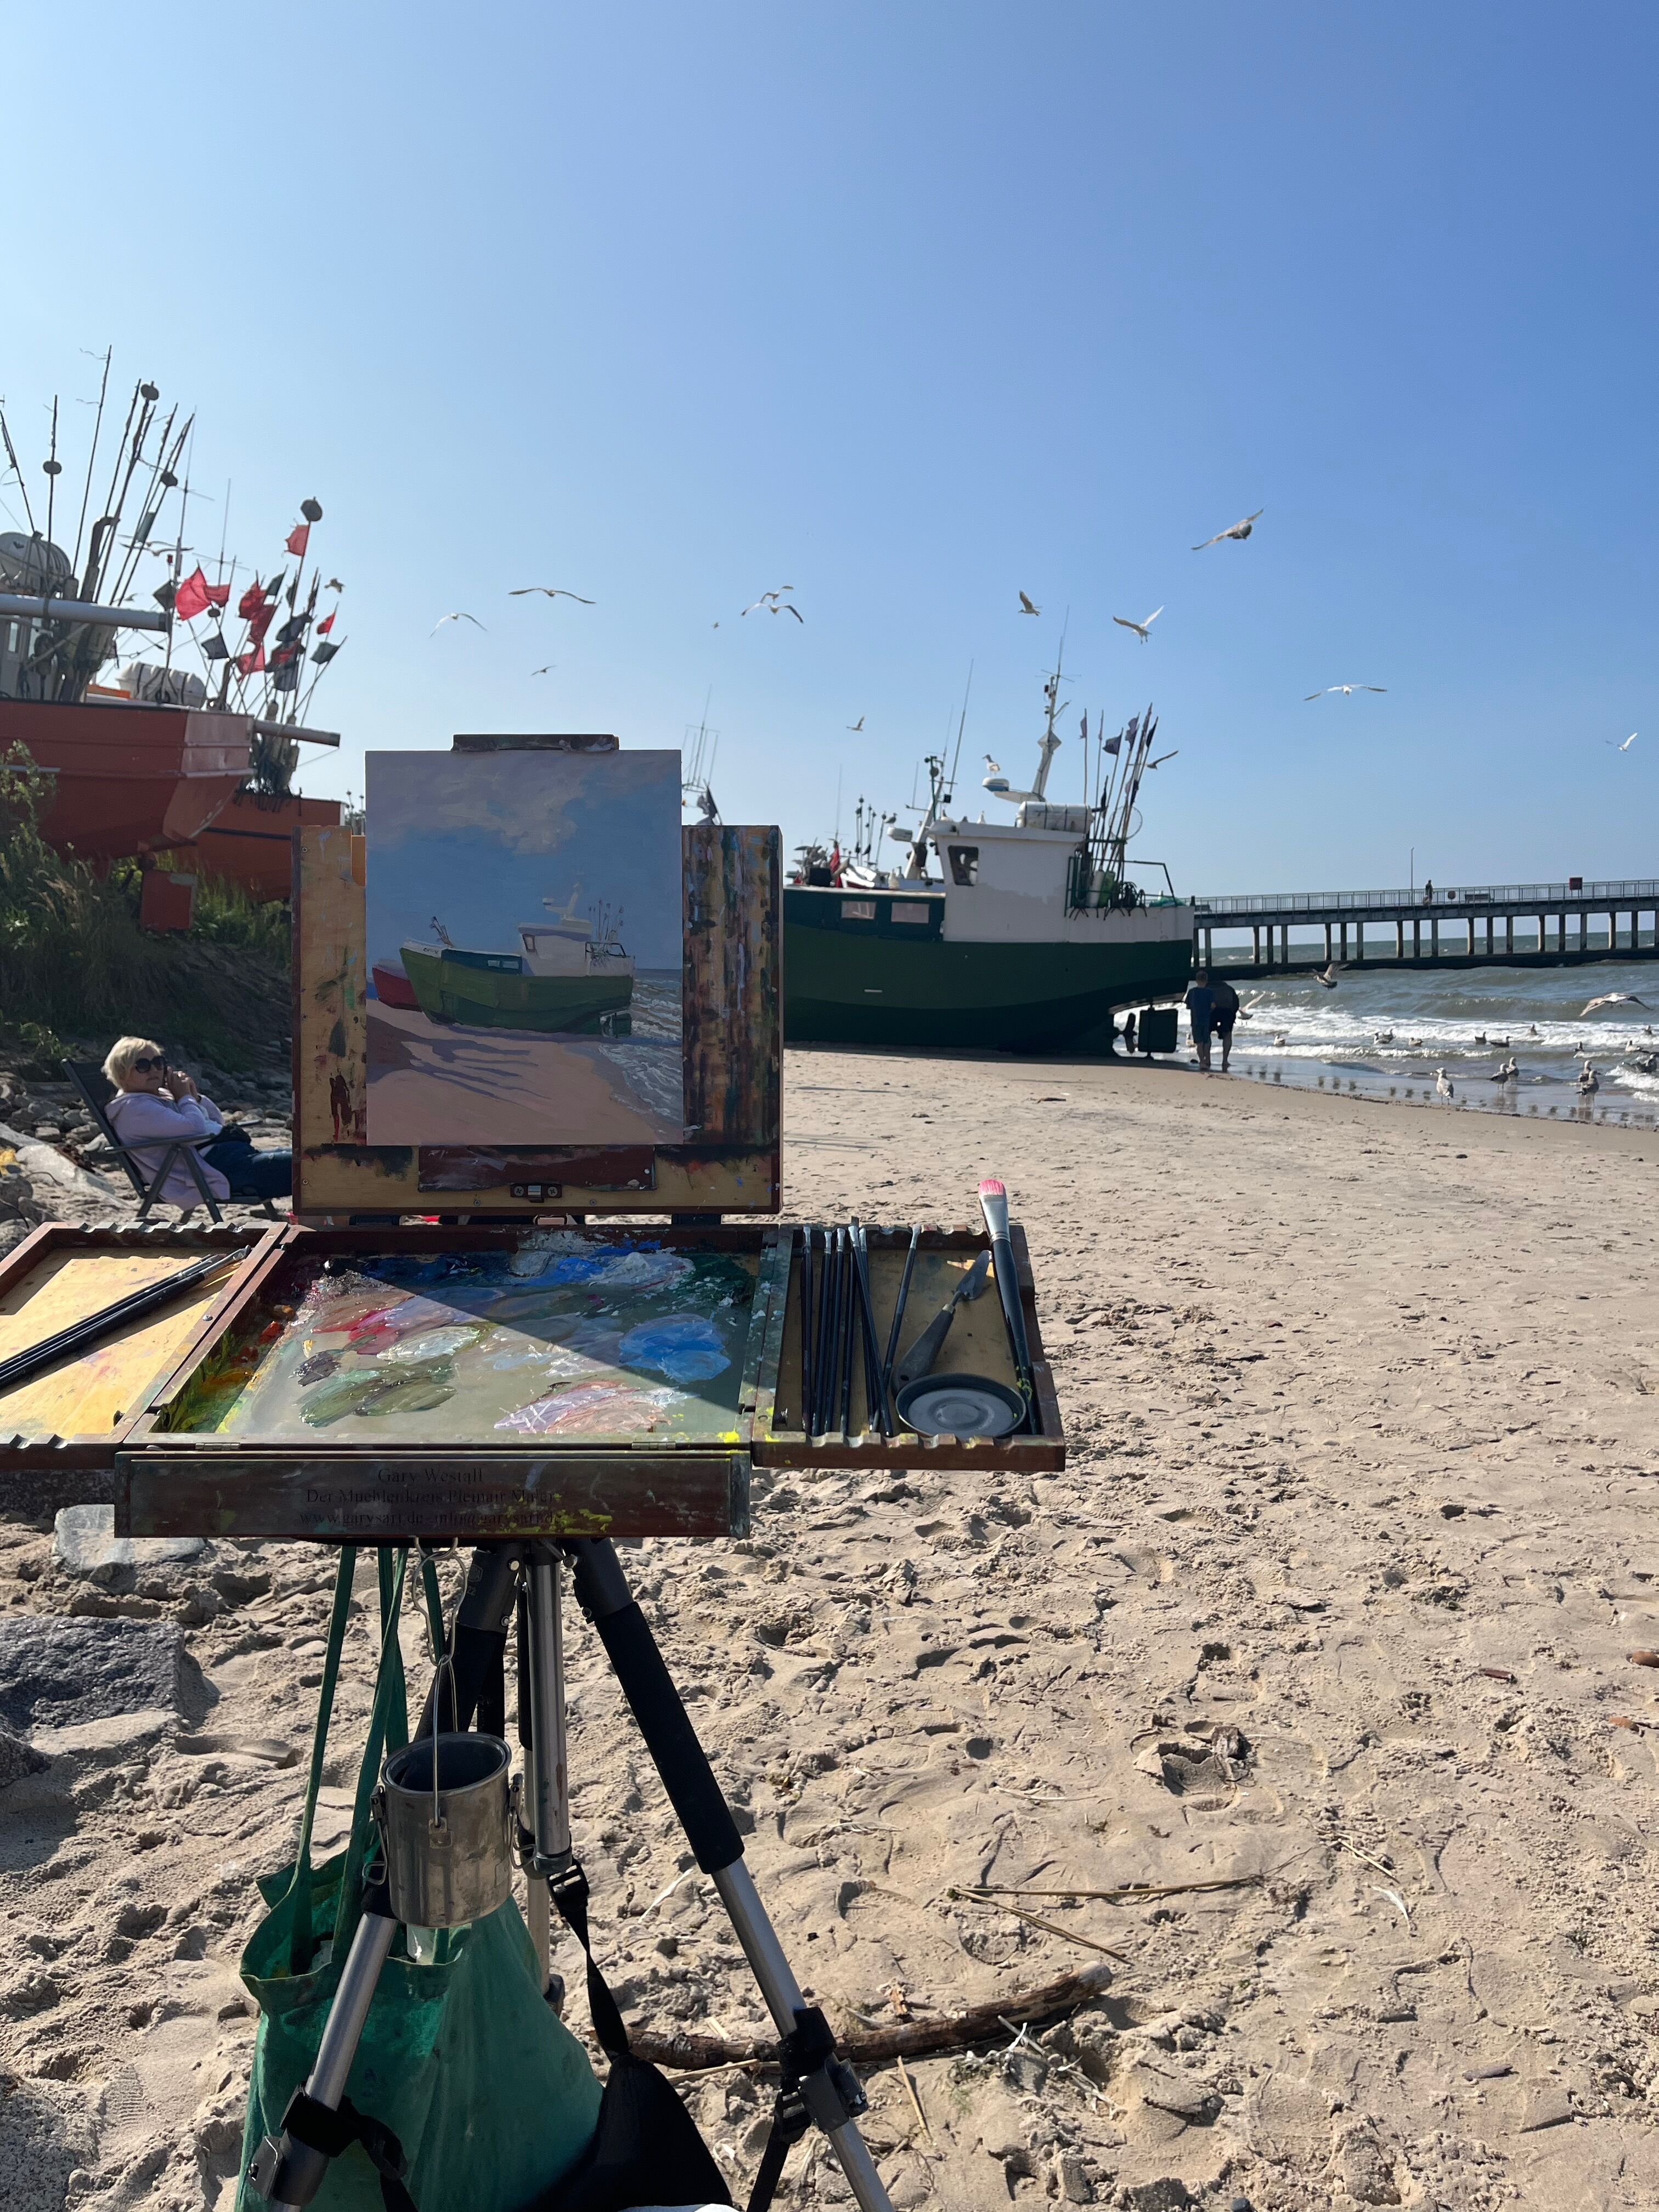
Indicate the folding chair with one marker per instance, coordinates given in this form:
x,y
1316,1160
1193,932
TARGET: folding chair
x,y
96,1091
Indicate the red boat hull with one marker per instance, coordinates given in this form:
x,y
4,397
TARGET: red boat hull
x,y
128,780
392,988
250,842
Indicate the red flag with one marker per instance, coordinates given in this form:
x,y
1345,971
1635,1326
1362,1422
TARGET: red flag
x,y
218,595
259,622
251,600
195,597
250,664
298,538
326,624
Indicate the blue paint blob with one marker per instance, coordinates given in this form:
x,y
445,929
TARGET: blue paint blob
x,y
683,1346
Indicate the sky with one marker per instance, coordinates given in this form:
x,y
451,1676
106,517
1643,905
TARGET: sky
x,y
482,841
913,309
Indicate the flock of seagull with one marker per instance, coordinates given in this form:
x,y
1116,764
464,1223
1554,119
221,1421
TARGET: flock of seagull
x,y
1642,1058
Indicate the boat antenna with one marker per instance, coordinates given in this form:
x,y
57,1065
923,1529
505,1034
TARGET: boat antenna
x,y
92,462
11,455
962,724
54,470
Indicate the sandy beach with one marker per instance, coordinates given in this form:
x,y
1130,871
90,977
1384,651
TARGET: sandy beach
x,y
1334,1604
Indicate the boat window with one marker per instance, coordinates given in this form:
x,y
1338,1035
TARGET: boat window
x,y
858,910
964,864
910,910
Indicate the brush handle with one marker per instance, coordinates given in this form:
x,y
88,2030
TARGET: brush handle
x,y
919,1359
994,1204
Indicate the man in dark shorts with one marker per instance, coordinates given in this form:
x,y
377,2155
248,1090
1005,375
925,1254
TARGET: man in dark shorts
x,y
1224,1012
1201,1003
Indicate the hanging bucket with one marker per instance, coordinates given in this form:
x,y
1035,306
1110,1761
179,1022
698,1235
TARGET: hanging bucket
x,y
444,1806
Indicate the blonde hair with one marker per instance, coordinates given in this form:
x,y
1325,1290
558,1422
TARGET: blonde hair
x,y
123,1052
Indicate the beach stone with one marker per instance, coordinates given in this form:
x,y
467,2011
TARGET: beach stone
x,y
84,1542
56,1673
18,1757
1168,2194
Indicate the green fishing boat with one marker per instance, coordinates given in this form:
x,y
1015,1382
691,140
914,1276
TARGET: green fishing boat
x,y
1024,936
564,978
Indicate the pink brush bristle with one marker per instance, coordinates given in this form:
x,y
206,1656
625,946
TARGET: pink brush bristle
x,y
992,1189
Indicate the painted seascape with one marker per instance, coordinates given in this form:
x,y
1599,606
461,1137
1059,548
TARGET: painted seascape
x,y
525,949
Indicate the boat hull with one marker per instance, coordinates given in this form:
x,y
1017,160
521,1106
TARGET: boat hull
x,y
844,988
392,988
128,780
250,842
488,998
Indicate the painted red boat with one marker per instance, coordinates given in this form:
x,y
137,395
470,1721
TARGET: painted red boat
x,y
129,780
391,986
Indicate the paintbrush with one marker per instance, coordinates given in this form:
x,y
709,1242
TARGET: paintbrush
x,y
899,1305
806,1327
993,1205
81,1336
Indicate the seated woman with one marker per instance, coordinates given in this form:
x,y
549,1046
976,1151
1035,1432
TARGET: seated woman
x,y
156,1106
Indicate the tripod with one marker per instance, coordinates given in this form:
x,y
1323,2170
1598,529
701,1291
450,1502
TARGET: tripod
x,y
818,2087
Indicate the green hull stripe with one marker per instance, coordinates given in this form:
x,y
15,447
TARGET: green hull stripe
x,y
487,998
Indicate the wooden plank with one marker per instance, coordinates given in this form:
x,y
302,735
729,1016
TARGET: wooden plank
x,y
442,1496
733,984
340,1180
331,1019
475,1167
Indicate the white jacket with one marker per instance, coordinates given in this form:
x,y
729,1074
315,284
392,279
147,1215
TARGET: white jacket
x,y
150,1120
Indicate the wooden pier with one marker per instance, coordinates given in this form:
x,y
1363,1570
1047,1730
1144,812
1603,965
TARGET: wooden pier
x,y
1565,924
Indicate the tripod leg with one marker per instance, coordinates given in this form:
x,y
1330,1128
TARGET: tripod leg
x,y
829,2087
288,2171
550,1793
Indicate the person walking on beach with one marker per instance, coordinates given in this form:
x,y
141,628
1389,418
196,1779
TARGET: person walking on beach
x,y
1224,1012
1200,1001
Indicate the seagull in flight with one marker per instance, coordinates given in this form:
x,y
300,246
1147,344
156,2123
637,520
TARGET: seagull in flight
x,y
1139,629
1347,690
1162,757
1628,743
1614,999
462,616
775,604
548,671
548,592
1028,606
1239,530
854,727
1329,977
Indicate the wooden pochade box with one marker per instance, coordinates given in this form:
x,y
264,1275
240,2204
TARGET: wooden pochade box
x,y
60,1431
347,1483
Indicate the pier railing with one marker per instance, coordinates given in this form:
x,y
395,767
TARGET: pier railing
x,y
1637,890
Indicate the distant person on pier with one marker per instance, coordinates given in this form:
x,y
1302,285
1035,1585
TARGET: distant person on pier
x,y
1428,894
156,1106
1201,1006
1224,1012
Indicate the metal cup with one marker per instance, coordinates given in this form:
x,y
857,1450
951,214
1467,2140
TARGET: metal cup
x,y
444,1811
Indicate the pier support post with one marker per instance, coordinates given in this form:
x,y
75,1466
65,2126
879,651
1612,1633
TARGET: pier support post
x,y
1359,943
1509,933
1434,938
1541,933
1330,955
1471,923
1255,945
1417,937
1400,940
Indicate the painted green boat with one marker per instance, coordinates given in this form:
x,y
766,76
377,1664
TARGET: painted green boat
x,y
496,991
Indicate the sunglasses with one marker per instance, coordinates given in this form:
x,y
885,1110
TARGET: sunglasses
x,y
143,1065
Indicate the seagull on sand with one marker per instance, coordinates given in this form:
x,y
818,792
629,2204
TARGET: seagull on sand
x,y
1347,690
1628,743
1506,1074
1614,999
1443,1085
1589,1081
548,592
1027,606
1329,976
1239,530
1139,629
775,604
462,616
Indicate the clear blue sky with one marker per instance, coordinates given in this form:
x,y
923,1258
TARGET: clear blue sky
x,y
913,307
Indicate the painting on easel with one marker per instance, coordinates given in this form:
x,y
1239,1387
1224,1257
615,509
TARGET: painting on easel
x,y
525,949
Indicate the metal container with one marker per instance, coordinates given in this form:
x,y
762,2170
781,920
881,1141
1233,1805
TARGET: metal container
x,y
447,1834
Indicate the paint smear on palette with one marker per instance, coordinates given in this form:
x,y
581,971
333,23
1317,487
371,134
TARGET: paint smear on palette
x,y
683,1346
593,1409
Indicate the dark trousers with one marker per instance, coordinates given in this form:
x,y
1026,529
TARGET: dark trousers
x,y
251,1174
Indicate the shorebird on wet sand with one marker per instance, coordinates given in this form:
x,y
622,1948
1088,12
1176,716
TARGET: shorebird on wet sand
x,y
1589,1081
1444,1087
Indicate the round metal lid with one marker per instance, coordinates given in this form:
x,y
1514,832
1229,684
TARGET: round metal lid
x,y
960,1405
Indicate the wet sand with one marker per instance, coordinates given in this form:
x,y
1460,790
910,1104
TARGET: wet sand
x,y
1333,1601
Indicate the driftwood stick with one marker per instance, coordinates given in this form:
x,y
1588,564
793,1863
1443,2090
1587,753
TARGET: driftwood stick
x,y
910,2039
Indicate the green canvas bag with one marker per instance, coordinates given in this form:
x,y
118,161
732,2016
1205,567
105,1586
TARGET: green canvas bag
x,y
489,2094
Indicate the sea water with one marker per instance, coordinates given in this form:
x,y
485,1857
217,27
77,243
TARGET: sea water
x,y
1468,1021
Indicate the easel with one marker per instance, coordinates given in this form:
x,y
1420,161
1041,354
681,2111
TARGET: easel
x,y
732,1058
819,2088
